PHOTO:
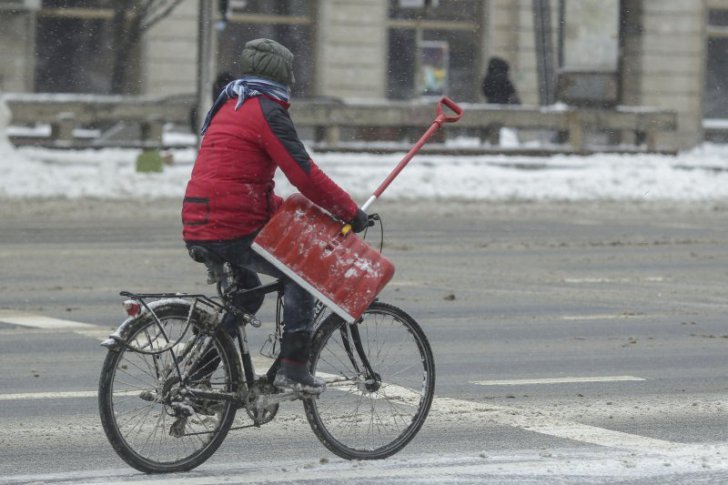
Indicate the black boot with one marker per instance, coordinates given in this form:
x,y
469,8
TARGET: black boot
x,y
293,373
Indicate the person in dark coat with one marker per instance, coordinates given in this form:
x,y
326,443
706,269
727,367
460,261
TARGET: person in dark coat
x,y
247,136
497,87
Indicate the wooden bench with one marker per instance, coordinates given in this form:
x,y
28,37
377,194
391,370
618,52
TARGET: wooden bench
x,y
328,120
625,125
65,113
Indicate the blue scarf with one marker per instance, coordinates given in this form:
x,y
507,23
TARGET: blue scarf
x,y
244,88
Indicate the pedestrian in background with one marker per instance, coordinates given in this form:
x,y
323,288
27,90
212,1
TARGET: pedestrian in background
x,y
497,87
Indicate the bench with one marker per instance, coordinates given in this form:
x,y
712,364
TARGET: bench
x,y
332,124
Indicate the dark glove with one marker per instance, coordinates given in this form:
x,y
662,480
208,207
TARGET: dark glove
x,y
360,221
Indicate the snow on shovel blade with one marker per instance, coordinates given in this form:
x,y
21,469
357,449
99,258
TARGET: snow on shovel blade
x,y
307,245
310,247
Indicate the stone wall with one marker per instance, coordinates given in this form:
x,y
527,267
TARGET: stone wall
x,y
664,62
351,46
169,54
17,60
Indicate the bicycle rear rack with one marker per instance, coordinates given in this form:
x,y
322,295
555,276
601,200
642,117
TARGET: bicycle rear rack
x,y
207,313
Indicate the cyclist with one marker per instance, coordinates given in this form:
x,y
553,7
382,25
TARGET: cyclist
x,y
247,135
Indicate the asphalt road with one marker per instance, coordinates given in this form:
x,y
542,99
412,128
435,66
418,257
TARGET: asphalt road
x,y
573,341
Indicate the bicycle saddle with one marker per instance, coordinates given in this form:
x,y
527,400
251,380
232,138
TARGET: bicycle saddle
x,y
204,255
214,263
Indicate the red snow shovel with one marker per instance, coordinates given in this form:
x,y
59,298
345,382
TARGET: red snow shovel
x,y
321,254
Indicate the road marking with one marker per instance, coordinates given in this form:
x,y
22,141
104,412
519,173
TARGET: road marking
x,y
541,422
48,395
650,279
442,408
535,421
605,316
558,380
518,466
15,317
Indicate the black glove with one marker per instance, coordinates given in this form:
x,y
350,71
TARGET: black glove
x,y
360,221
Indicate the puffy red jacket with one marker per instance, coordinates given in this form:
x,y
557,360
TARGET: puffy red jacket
x,y
230,193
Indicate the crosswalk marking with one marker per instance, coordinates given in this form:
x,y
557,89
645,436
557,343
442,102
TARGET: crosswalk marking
x,y
48,395
24,319
558,380
442,406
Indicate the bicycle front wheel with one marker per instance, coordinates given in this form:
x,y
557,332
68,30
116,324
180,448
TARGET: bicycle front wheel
x,y
146,392
380,377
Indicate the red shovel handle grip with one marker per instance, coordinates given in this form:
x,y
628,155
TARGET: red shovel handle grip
x,y
453,107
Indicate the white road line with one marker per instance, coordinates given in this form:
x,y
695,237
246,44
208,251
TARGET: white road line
x,y
558,380
15,317
541,422
442,408
48,395
605,316
527,466
651,279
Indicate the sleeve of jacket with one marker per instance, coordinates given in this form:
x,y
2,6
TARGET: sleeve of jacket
x,y
285,148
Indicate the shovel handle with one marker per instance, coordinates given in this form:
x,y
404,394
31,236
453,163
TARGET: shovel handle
x,y
439,120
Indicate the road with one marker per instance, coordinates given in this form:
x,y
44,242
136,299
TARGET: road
x,y
573,341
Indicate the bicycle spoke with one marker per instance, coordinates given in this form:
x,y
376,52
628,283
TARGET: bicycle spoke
x,y
158,426
372,416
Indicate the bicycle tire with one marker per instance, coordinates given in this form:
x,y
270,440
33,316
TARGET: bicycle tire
x,y
136,424
365,423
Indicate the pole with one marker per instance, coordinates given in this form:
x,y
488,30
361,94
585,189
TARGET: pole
x,y
544,51
205,60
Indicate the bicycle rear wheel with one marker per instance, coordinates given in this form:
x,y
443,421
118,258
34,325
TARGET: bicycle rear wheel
x,y
150,417
371,411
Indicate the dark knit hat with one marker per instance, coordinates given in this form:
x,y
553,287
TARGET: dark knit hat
x,y
267,58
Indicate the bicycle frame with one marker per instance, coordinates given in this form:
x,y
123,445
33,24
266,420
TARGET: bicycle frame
x,y
209,313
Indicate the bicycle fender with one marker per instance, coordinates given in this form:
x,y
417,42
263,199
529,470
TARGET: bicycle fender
x,y
121,335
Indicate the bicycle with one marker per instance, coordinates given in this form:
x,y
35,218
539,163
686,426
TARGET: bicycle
x,y
173,378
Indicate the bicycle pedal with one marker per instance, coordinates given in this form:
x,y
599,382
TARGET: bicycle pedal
x,y
253,321
270,347
294,391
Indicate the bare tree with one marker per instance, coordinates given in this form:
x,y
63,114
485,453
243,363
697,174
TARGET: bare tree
x,y
131,19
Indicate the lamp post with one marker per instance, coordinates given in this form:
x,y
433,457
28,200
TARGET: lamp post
x,y
205,59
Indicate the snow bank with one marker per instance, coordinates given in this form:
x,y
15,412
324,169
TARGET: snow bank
x,y
697,175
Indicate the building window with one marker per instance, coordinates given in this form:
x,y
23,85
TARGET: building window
x,y
434,48
285,21
716,71
72,46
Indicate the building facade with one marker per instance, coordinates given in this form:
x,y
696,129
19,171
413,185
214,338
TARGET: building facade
x,y
668,54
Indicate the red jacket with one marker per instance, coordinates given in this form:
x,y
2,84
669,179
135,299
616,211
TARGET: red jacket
x,y
230,193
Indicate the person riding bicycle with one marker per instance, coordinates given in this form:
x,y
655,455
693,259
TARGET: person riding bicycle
x,y
247,135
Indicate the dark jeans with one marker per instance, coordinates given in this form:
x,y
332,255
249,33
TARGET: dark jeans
x,y
297,302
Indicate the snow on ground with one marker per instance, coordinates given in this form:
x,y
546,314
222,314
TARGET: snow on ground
x,y
697,175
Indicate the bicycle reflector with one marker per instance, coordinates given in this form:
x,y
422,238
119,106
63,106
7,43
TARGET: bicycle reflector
x,y
132,308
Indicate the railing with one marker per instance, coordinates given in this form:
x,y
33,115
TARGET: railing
x,y
330,124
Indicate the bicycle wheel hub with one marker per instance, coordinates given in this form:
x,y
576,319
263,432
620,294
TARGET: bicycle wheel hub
x,y
370,384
